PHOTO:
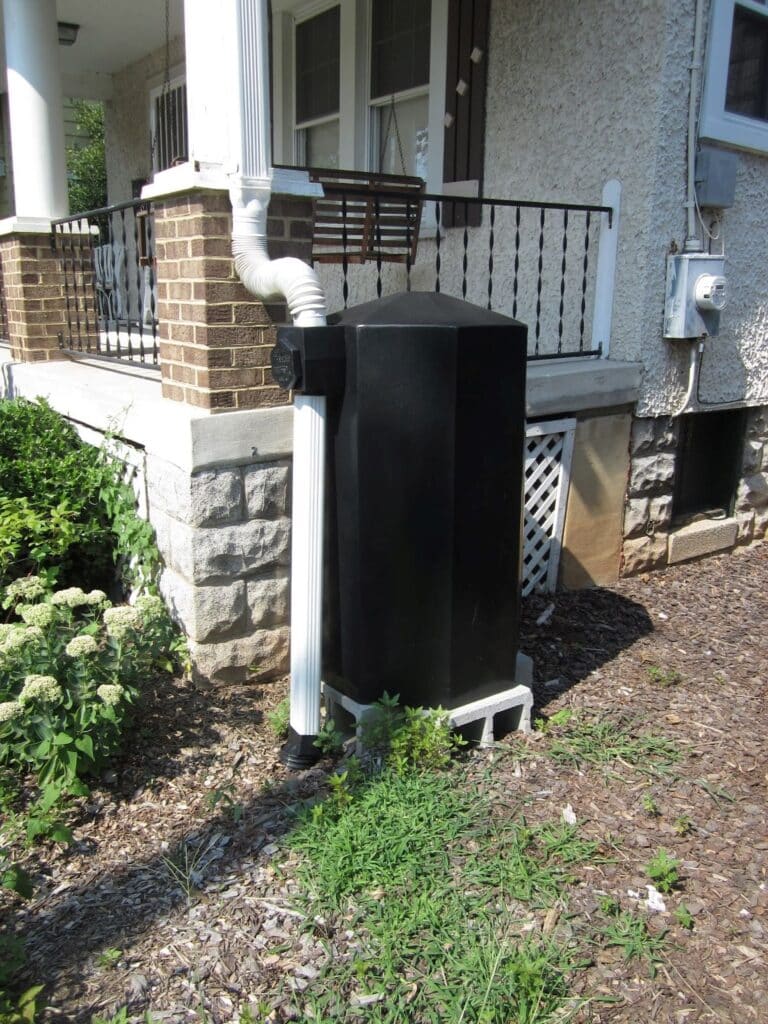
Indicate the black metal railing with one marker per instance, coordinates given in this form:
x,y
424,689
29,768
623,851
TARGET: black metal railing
x,y
535,261
107,258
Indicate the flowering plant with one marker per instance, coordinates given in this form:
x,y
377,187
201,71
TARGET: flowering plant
x,y
70,668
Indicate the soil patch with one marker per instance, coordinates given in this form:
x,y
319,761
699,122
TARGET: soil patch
x,y
177,896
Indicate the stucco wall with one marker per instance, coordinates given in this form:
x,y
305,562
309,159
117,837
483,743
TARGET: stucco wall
x,y
580,93
126,120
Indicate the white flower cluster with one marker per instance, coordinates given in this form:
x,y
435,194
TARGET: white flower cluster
x,y
111,693
151,606
46,689
29,588
41,615
96,597
121,621
71,597
13,638
81,645
10,709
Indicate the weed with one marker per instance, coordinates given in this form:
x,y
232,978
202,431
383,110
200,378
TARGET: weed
x,y
631,934
683,825
405,737
423,873
186,868
329,740
663,871
663,677
684,917
650,806
109,957
602,741
224,795
561,717
609,906
279,718
23,1010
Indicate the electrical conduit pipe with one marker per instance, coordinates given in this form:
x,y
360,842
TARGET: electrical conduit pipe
x,y
297,283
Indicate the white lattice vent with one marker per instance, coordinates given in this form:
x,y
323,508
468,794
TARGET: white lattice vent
x,y
548,450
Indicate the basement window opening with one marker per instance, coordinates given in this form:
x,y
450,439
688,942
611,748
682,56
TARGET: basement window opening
x,y
709,458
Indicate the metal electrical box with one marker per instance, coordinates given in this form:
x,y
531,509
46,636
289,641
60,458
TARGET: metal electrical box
x,y
696,294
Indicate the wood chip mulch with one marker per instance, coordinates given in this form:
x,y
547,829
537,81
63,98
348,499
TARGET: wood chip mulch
x,y
177,865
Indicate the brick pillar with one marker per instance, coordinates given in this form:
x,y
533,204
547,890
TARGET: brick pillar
x,y
215,337
35,301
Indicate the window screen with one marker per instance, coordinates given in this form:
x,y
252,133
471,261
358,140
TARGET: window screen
x,y
747,90
399,46
317,66
170,141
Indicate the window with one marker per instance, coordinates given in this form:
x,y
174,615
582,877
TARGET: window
x,y
359,85
316,71
399,86
734,106
168,123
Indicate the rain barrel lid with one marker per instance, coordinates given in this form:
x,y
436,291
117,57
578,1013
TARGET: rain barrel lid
x,y
412,309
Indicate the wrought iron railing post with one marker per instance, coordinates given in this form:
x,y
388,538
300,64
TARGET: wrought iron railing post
x,y
606,268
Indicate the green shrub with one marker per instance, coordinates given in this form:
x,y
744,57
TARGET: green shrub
x,y
69,675
65,510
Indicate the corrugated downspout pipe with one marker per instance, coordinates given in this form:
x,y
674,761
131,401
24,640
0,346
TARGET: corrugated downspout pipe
x,y
286,278
296,282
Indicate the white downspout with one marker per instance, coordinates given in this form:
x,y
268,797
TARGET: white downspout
x,y
692,240
298,284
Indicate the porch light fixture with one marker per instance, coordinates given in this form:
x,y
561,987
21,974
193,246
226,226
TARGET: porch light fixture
x,y
67,33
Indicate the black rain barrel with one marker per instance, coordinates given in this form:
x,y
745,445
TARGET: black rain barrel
x,y
424,497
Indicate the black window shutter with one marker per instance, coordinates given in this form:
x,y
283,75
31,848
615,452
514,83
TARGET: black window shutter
x,y
465,104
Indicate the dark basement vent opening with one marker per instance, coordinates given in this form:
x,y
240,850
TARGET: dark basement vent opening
x,y
709,457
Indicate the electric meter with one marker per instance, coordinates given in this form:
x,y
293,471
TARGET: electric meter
x,y
696,293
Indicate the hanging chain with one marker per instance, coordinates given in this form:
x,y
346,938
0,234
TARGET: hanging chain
x,y
392,119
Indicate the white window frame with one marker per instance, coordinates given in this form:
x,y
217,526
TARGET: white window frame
x,y
176,79
299,15
356,109
717,123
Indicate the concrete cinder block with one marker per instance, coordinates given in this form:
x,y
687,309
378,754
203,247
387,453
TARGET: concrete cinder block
x,y
513,703
702,538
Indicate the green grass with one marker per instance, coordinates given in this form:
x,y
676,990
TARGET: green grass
x,y
441,900
603,742
631,934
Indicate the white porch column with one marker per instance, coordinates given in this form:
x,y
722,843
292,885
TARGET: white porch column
x,y
35,104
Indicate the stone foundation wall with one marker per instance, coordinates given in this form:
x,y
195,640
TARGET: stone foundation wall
x,y
648,508
224,535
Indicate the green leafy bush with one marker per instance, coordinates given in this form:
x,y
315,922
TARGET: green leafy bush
x,y
69,675
65,510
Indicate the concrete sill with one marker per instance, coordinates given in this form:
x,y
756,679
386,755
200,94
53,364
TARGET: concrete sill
x,y
701,538
575,385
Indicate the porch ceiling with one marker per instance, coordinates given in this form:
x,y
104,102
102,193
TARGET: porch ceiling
x,y
113,34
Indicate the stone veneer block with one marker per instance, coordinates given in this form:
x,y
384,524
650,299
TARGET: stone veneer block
x,y
206,613
636,517
268,602
262,655
651,474
702,538
644,554
213,497
213,554
752,492
266,490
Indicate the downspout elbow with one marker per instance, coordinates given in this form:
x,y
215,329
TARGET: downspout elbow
x,y
288,278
